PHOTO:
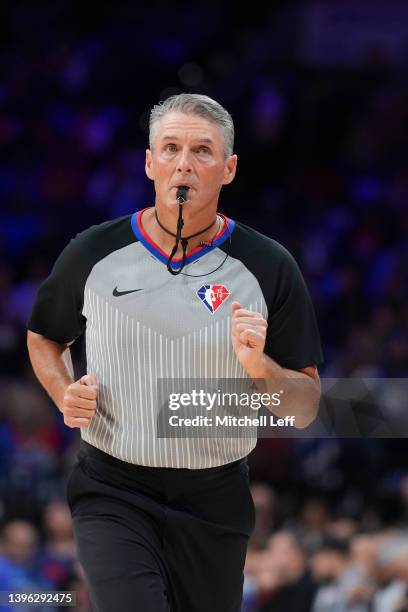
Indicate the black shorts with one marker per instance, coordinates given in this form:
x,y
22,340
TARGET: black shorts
x,y
160,539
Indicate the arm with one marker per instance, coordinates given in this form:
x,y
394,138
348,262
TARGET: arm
x,y
301,388
75,399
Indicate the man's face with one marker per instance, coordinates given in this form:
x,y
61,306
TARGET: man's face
x,y
189,150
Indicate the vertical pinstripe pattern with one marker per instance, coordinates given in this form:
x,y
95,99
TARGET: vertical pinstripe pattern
x,y
127,359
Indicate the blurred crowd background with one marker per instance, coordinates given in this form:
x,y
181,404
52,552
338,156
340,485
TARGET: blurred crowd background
x,y
319,95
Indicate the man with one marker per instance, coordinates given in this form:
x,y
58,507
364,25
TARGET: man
x,y
344,585
162,523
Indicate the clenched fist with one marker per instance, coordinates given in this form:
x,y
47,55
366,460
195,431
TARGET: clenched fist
x,y
79,403
248,334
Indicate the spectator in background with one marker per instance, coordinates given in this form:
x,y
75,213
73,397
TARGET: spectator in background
x,y
34,474
344,587
20,543
392,574
312,522
277,576
26,566
292,585
56,561
19,549
265,511
364,550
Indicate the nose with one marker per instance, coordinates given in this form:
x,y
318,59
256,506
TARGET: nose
x,y
184,161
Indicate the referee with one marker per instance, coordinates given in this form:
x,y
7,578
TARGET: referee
x,y
174,290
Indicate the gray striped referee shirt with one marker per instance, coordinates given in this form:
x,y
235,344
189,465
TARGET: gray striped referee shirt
x,y
142,324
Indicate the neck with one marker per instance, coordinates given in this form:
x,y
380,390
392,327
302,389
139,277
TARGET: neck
x,y
191,225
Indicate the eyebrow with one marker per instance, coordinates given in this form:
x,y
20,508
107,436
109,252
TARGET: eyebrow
x,y
206,140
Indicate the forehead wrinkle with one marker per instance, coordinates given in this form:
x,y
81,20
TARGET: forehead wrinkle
x,y
186,120
198,138
187,123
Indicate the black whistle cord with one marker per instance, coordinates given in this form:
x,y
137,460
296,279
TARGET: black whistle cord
x,y
184,243
184,240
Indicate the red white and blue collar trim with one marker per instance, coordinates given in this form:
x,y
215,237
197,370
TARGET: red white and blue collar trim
x,y
228,228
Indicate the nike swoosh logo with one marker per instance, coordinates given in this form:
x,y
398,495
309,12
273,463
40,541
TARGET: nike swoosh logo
x,y
117,293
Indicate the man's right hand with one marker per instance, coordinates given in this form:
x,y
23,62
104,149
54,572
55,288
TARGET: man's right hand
x,y
79,402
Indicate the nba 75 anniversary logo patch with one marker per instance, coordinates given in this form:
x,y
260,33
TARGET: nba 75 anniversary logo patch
x,y
213,296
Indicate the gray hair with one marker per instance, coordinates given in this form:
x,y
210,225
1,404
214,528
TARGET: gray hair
x,y
194,104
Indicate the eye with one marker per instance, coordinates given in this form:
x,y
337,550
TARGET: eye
x,y
204,150
170,148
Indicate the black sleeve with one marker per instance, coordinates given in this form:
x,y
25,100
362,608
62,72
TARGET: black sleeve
x,y
292,337
56,313
57,310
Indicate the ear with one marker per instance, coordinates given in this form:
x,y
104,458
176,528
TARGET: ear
x,y
149,165
230,169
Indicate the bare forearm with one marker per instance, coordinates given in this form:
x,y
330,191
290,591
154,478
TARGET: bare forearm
x,y
299,393
50,366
